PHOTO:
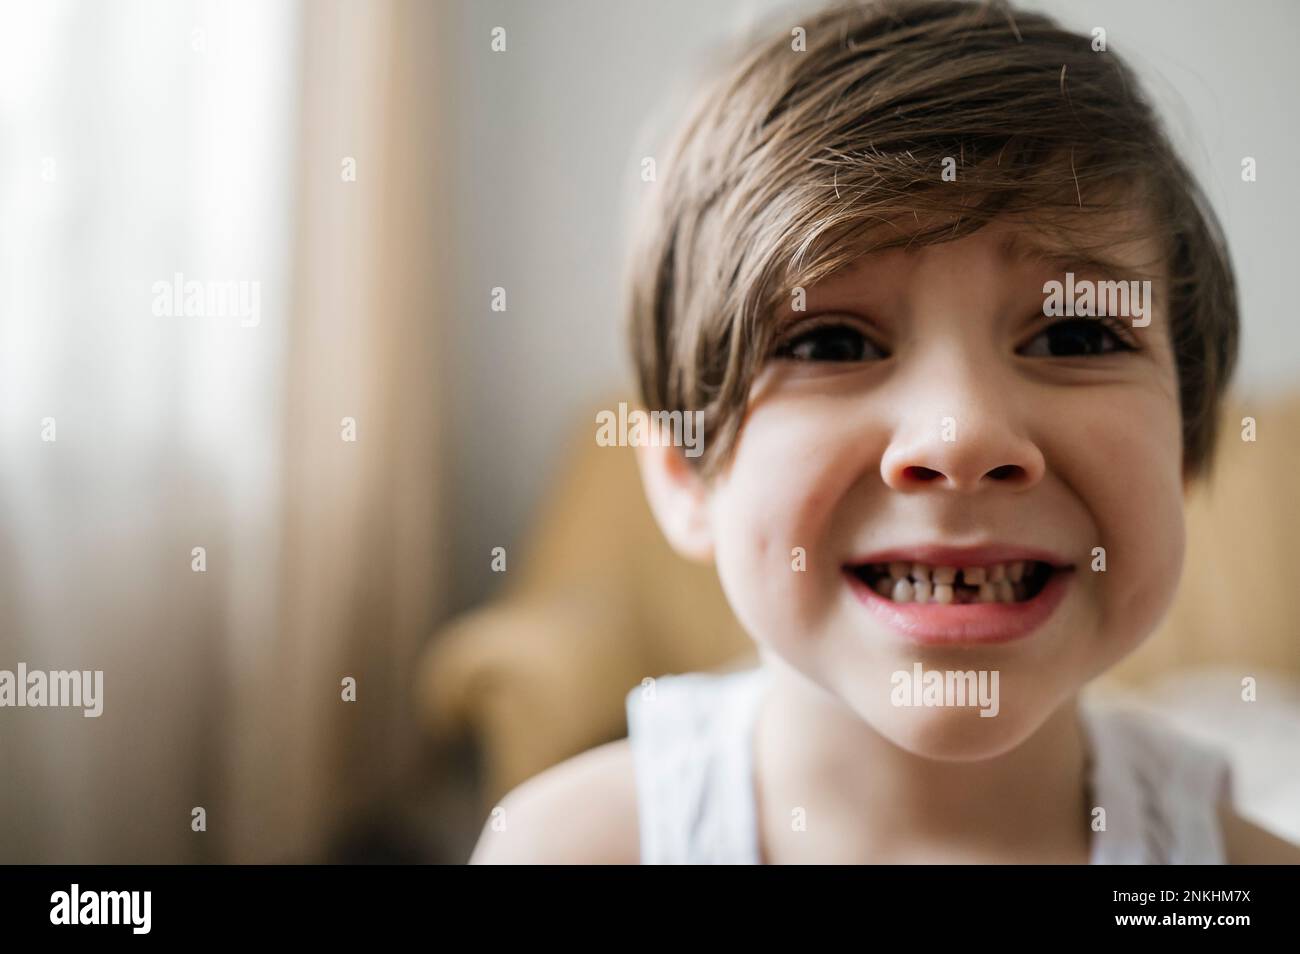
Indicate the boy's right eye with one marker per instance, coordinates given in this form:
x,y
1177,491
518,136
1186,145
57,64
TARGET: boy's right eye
x,y
829,342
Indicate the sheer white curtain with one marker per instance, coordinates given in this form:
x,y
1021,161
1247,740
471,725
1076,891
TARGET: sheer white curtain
x,y
139,141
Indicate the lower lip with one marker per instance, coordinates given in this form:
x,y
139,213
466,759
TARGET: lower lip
x,y
956,624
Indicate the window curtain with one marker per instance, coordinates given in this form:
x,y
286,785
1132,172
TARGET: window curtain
x,y
228,510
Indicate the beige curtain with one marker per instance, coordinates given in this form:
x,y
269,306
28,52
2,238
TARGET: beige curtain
x,y
360,521
209,137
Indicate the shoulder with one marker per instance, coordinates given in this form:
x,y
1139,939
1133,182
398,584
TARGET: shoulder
x,y
1185,778
582,811
1248,844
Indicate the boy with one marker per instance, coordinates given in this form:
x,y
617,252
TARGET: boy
x,y
917,452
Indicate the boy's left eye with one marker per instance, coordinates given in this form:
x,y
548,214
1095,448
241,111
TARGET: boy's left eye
x,y
1077,337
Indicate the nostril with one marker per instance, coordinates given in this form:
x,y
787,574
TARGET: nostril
x,y
920,473
1006,472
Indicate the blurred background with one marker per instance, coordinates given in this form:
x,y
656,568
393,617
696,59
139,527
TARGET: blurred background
x,y
378,169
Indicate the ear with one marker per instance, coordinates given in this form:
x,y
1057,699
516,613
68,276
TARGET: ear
x,y
679,499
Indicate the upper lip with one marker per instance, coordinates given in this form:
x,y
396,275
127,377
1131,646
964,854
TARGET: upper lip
x,y
981,555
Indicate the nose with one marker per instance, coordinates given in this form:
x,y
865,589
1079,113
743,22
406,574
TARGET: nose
x,y
973,451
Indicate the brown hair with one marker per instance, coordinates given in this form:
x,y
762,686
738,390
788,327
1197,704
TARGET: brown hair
x,y
790,162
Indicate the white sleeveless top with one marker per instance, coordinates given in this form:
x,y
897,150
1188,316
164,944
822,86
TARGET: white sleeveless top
x,y
692,752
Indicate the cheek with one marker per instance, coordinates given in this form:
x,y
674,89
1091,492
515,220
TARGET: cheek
x,y
1126,464
771,514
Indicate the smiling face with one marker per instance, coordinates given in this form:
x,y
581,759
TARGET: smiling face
x,y
922,409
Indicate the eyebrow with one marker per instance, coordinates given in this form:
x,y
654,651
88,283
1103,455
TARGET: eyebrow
x,y
1015,246
1018,247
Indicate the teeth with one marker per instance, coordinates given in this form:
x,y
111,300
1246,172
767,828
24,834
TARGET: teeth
x,y
925,583
944,574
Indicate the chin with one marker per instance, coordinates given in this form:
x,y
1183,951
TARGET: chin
x,y
952,734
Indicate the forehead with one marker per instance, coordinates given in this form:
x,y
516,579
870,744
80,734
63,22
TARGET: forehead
x,y
1101,243
1119,242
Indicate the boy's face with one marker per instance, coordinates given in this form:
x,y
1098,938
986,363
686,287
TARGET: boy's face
x,y
923,401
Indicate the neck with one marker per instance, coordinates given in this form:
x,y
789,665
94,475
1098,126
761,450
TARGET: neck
x,y
865,799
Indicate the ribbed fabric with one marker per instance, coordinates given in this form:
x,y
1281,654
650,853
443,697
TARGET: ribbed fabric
x,y
691,738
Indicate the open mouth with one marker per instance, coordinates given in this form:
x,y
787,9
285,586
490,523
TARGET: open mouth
x,y
1017,581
